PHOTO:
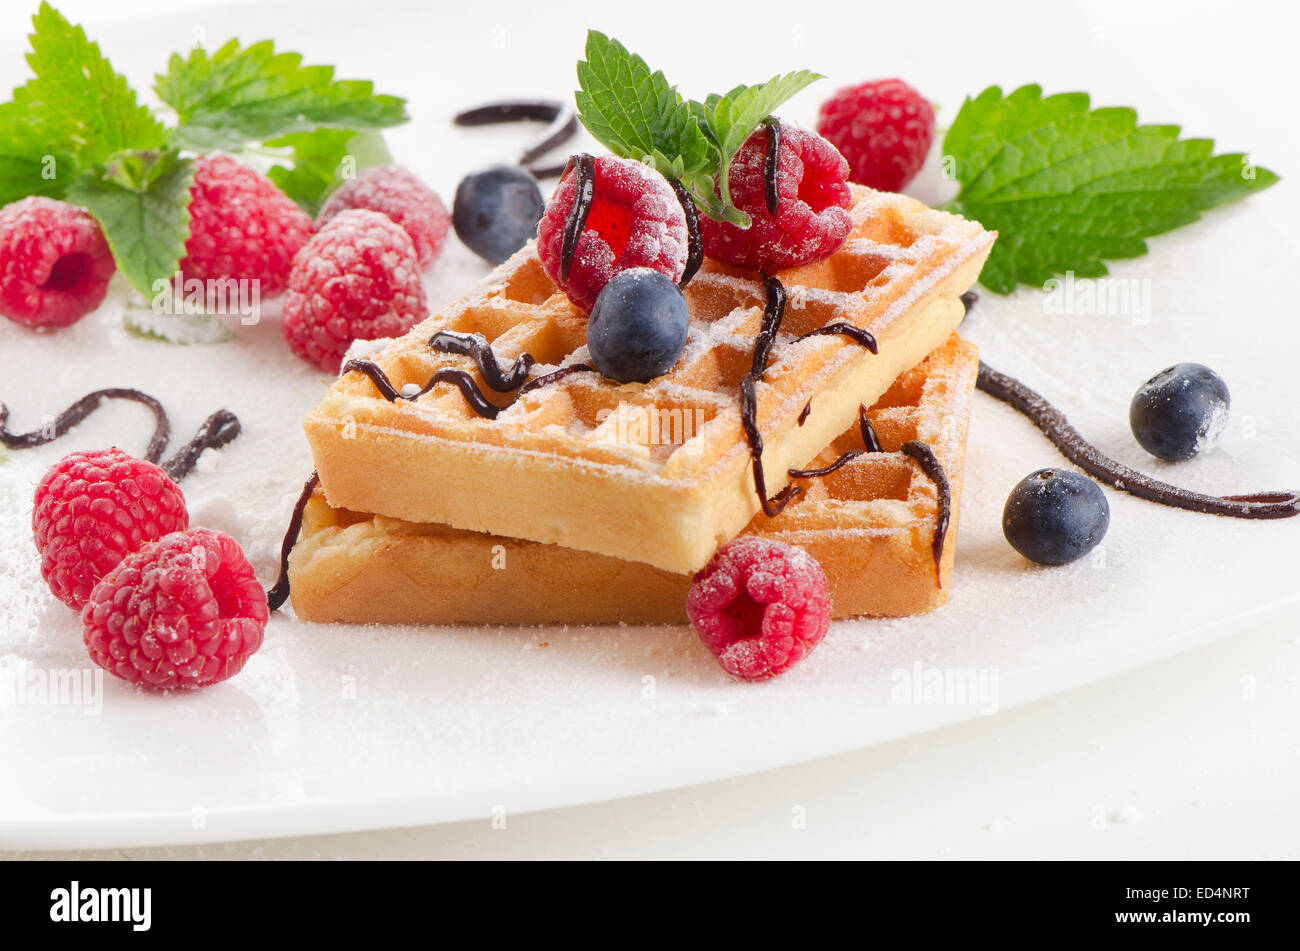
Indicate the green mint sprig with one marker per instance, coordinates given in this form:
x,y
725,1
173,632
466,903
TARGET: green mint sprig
x,y
1068,187
76,130
250,94
637,114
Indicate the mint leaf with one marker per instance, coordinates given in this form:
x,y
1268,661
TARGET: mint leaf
x,y
27,167
251,94
1068,187
142,203
636,113
76,103
323,160
732,118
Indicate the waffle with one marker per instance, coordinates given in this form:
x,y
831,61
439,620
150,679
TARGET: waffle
x,y
555,467
870,524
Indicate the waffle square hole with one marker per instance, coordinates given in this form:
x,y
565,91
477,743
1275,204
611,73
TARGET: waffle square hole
x,y
885,229
662,426
486,319
715,368
870,477
529,285
906,391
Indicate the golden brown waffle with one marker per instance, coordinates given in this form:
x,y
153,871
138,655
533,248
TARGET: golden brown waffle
x,y
555,467
870,524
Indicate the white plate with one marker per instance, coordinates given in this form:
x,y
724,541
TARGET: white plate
x,y
342,728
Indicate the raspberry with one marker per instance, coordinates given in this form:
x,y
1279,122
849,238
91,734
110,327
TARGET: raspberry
x,y
397,193
761,606
811,221
635,221
357,279
241,226
92,509
186,611
54,263
884,130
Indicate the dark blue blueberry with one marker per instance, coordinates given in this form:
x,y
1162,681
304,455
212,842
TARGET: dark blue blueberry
x,y
638,327
1055,516
496,211
1180,411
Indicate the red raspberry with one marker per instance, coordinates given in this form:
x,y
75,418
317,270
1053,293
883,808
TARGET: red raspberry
x,y
811,221
401,196
761,606
93,509
241,226
357,279
635,221
54,263
884,130
186,611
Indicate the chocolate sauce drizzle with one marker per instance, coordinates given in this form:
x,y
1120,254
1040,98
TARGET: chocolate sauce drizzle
x,y
217,430
869,437
773,314
772,165
553,377
804,413
870,442
79,410
476,346
695,244
864,337
968,299
933,469
563,125
1054,425
278,593
749,423
584,193
467,384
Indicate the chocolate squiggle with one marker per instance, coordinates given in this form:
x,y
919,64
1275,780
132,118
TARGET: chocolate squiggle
x,y
476,346
81,409
561,116
278,593
1053,424
217,430
933,469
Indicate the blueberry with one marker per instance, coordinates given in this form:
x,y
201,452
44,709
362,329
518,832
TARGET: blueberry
x,y
496,211
638,327
1180,411
1054,516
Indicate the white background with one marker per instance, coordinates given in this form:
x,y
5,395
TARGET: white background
x,y
1197,756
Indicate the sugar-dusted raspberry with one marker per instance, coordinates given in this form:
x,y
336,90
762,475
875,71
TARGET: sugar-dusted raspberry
x,y
882,128
760,606
635,221
357,279
399,194
241,226
92,509
811,220
185,611
54,263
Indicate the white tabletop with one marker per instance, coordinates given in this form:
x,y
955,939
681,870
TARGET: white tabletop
x,y
1196,756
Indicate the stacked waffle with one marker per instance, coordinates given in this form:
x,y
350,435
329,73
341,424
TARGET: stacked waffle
x,y
448,494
